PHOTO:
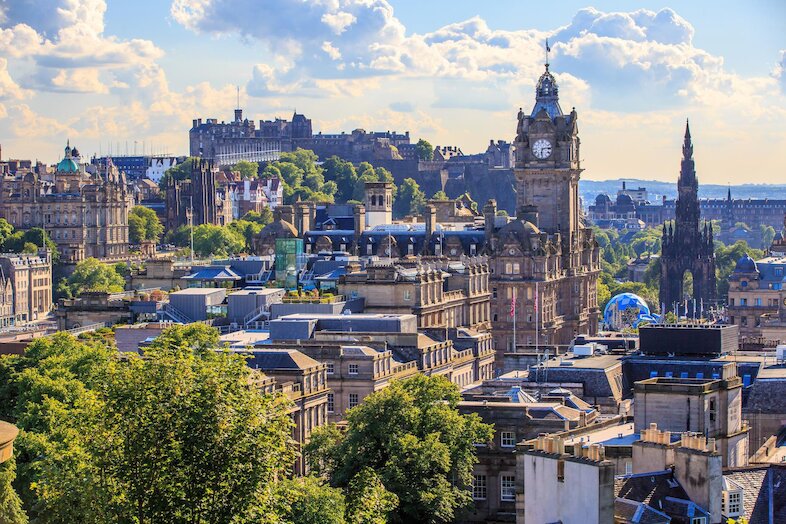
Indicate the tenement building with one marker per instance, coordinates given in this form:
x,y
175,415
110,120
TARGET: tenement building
x,y
545,263
30,279
85,214
687,247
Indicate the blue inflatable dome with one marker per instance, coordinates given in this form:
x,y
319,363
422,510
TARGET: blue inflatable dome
x,y
627,310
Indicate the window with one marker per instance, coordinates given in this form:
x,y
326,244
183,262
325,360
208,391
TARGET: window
x,y
743,301
733,503
331,403
507,439
712,410
479,487
330,368
353,369
507,492
407,294
698,520
353,400
560,470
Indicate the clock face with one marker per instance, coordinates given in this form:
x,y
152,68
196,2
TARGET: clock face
x,y
541,148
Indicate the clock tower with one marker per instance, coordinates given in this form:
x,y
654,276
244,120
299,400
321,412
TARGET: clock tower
x,y
547,161
544,263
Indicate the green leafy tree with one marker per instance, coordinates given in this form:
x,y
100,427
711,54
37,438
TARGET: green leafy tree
x,y
180,237
368,502
11,511
270,171
413,436
410,200
262,218
175,452
110,439
216,240
91,275
767,235
144,225
247,169
16,242
439,195
726,258
424,150
6,230
604,295
308,500
182,171
248,230
343,174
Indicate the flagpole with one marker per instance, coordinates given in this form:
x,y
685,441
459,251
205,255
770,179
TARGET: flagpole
x,y
513,312
536,317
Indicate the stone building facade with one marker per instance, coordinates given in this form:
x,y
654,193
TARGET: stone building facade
x,y
546,260
200,196
30,278
441,294
687,247
86,215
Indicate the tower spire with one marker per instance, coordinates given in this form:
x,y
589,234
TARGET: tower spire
x,y
687,146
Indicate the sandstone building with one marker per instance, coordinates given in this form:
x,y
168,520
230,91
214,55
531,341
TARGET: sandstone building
x,y
545,261
86,215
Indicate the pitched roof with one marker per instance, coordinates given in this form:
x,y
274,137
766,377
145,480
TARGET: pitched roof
x,y
280,359
649,488
636,512
760,485
218,273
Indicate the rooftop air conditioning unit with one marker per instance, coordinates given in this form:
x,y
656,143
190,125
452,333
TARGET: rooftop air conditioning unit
x,y
583,350
780,352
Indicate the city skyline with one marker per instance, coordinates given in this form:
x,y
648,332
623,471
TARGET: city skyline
x,y
453,73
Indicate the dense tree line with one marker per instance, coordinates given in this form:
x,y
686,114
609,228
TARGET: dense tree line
x,y
182,434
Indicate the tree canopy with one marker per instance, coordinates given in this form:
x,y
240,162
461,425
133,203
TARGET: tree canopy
x,y
247,169
181,171
106,438
144,225
410,199
216,240
424,150
26,241
413,437
91,275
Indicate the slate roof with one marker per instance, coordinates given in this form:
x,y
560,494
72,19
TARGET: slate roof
x,y
756,482
284,359
649,488
767,395
216,273
635,512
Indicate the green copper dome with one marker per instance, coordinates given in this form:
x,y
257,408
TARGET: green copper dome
x,y
68,164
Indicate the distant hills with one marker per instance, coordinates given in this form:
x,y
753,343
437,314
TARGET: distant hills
x,y
589,189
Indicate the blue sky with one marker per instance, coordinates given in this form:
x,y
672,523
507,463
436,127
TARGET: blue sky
x,y
454,72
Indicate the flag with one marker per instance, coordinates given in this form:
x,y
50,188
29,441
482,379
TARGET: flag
x,y
513,306
548,49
